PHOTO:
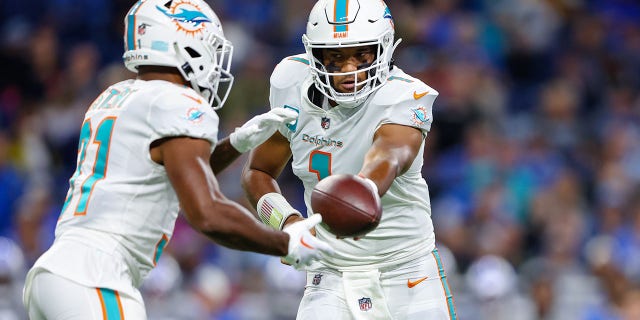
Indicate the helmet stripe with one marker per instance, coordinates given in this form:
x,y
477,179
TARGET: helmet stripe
x,y
131,26
341,12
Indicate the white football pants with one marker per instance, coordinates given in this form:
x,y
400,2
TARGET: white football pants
x,y
51,297
417,290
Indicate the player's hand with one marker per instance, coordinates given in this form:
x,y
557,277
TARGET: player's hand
x,y
259,128
295,218
303,246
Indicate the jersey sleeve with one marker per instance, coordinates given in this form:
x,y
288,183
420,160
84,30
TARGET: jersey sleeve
x,y
414,111
183,114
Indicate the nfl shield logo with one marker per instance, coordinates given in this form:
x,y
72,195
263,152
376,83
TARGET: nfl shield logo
x,y
316,279
365,304
142,29
325,123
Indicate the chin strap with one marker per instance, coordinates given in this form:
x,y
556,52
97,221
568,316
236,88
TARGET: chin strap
x,y
393,49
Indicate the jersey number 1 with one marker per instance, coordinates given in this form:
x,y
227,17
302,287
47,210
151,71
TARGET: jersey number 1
x,y
320,164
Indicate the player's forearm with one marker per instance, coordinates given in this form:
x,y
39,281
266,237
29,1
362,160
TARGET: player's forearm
x,y
382,171
257,183
235,228
393,151
223,155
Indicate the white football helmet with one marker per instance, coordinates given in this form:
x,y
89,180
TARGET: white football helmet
x,y
343,23
185,34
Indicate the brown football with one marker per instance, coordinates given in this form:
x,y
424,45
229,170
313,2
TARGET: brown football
x,y
348,204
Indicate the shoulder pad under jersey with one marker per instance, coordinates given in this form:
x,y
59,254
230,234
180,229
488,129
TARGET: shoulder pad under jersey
x,y
401,87
406,100
290,71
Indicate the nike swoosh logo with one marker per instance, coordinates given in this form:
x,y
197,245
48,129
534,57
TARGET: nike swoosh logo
x,y
305,244
412,284
198,100
417,95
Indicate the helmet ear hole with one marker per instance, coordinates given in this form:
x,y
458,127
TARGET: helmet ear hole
x,y
193,53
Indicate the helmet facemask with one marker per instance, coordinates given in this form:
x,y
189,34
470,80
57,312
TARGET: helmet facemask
x,y
376,72
215,83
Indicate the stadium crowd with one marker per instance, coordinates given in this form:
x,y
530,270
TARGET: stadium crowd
x,y
533,161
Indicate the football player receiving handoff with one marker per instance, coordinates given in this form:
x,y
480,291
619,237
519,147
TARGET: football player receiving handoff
x,y
144,152
357,114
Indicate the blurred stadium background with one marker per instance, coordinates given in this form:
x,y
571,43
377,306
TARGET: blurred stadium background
x,y
533,161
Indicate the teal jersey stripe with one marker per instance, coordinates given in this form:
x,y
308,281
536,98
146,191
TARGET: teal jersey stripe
x,y
110,304
399,78
160,248
341,15
305,61
445,285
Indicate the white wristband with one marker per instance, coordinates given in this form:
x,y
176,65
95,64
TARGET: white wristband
x,y
273,209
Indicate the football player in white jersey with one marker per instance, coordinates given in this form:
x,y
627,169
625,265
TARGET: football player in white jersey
x,y
357,114
145,151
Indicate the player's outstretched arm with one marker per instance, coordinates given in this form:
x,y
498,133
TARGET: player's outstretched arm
x,y
394,149
265,164
223,155
250,135
222,220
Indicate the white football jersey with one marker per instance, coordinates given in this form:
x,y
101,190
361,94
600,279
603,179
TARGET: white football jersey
x,y
119,200
327,141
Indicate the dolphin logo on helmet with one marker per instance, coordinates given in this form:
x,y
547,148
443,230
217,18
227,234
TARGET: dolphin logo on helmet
x,y
189,16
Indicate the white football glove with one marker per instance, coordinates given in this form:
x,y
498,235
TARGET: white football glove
x,y
259,128
303,246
